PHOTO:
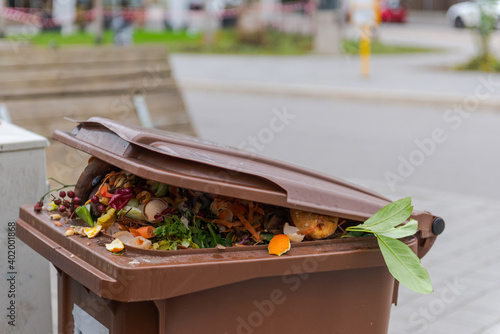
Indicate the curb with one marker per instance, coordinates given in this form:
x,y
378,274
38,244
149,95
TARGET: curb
x,y
325,92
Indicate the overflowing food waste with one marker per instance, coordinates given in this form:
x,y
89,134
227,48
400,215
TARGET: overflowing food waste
x,y
153,215
146,214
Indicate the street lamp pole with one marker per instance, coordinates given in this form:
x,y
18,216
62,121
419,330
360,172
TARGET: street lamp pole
x,y
98,20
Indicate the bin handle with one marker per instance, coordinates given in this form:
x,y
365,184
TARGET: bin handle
x,y
429,227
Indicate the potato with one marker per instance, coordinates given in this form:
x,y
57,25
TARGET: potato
x,y
313,225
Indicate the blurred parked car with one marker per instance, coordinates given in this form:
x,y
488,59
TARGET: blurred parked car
x,y
392,11
467,14
216,5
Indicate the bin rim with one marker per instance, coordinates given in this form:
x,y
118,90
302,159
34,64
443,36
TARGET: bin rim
x,y
165,276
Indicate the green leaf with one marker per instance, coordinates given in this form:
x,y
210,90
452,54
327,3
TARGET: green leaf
x,y
389,216
405,230
160,189
354,234
404,265
84,214
266,236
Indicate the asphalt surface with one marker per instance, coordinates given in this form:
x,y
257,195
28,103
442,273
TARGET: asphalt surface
x,y
361,140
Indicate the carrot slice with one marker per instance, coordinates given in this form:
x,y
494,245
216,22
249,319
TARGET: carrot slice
x,y
250,211
146,232
134,232
249,227
104,191
225,223
223,214
259,210
238,208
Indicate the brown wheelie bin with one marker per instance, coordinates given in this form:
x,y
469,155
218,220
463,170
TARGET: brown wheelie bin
x,y
321,286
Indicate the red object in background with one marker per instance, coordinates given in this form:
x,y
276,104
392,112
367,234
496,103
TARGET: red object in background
x,y
392,11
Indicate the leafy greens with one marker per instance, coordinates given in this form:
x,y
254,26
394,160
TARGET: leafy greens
x,y
386,226
174,234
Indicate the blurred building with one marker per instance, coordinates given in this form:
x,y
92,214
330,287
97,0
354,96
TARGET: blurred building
x,y
71,15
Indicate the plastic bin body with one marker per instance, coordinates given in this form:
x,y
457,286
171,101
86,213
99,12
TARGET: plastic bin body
x,y
306,303
319,286
323,286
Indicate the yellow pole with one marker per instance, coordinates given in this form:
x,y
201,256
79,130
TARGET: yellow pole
x,y
364,50
378,14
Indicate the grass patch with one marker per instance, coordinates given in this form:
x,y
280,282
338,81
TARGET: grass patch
x,y
351,47
226,42
274,42
53,38
483,63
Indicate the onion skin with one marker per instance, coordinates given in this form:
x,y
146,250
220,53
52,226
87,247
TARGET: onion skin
x,y
314,226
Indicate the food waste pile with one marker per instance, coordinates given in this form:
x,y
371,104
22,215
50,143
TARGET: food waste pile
x,y
137,213
153,215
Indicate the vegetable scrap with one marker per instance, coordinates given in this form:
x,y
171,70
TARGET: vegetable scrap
x,y
152,215
55,216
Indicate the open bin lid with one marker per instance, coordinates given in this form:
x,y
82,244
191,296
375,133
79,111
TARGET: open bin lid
x,y
197,164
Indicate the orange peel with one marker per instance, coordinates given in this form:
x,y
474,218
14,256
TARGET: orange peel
x,y
279,244
115,246
91,232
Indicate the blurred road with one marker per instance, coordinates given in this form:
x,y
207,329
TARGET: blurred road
x,y
414,128
361,140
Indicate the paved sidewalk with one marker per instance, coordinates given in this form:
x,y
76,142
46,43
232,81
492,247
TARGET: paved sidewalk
x,y
418,78
464,265
412,78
